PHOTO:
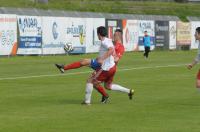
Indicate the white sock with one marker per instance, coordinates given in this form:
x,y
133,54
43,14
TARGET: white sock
x,y
119,88
88,92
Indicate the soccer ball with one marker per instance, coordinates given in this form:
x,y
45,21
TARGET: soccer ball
x,y
68,47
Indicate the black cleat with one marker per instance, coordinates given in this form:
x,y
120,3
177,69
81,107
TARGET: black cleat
x,y
104,99
131,93
60,67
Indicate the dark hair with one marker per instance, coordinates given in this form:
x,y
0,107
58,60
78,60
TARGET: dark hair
x,y
145,31
118,30
198,30
102,31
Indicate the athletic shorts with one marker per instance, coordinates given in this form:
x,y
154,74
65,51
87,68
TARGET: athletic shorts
x,y
94,64
104,76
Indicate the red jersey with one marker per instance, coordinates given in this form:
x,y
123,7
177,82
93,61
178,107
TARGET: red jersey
x,y
119,49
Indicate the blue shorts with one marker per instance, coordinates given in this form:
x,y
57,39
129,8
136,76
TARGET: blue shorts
x,y
94,64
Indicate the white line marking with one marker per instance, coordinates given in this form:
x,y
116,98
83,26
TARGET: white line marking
x,y
75,73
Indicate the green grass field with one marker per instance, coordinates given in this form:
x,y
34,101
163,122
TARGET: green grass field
x,y
35,97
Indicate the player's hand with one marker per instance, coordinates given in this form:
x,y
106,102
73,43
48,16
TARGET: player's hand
x,y
116,59
189,66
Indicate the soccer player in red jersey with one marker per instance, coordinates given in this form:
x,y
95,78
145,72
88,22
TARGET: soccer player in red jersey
x,y
93,63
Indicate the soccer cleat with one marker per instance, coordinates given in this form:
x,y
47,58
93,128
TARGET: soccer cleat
x,y
84,103
131,93
104,99
60,67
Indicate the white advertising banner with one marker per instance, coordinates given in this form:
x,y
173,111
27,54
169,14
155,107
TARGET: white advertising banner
x,y
30,35
92,41
53,32
130,35
8,34
194,25
172,35
148,26
75,33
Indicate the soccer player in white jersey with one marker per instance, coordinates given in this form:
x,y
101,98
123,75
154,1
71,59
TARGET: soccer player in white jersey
x,y
197,59
106,72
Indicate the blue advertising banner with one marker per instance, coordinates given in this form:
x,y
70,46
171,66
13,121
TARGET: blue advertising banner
x,y
30,42
30,35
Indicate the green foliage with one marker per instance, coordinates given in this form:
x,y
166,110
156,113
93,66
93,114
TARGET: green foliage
x,y
181,10
166,99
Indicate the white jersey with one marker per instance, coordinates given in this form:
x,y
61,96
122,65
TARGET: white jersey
x,y
108,62
198,54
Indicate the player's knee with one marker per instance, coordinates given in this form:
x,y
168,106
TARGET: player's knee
x,y
82,62
95,83
107,86
85,62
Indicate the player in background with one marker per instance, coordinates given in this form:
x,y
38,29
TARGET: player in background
x,y
147,44
197,59
96,79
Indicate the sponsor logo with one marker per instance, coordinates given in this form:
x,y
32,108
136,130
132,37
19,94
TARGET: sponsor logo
x,y
161,28
7,37
172,31
54,30
77,31
28,24
145,26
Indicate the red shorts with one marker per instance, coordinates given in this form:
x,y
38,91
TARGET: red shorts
x,y
104,76
198,75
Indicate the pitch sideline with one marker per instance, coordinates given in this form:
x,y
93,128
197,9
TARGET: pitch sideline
x,y
75,73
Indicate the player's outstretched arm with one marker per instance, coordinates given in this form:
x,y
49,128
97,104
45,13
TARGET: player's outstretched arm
x,y
190,66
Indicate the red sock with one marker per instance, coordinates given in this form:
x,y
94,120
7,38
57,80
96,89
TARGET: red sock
x,y
101,90
72,66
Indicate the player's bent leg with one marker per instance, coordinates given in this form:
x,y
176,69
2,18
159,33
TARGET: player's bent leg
x,y
117,87
102,91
